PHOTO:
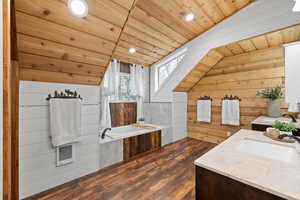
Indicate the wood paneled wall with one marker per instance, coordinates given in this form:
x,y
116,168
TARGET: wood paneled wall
x,y
123,114
240,75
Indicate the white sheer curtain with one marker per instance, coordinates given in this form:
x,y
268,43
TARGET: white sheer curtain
x,y
137,85
109,89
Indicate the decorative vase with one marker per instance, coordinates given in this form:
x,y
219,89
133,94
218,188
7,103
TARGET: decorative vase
x,y
274,108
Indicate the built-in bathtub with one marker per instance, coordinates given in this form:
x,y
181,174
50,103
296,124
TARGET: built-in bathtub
x,y
122,132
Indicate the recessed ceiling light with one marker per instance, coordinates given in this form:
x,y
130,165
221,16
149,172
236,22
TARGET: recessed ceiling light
x,y
78,8
132,50
296,6
188,17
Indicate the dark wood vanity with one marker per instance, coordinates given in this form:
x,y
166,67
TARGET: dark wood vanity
x,y
263,127
214,186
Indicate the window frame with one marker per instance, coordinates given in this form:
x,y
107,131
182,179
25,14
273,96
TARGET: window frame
x,y
176,56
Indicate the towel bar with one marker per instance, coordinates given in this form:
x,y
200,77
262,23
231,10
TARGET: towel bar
x,y
68,94
226,97
205,98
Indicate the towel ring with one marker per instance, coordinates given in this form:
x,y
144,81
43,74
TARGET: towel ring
x,y
67,94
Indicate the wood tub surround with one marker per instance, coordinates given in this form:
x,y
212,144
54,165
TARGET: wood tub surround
x,y
137,145
123,114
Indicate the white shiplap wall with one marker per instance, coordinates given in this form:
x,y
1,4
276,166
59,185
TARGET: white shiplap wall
x,y
179,115
38,171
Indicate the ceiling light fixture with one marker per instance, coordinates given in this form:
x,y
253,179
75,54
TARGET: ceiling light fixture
x,y
132,50
188,17
78,8
296,6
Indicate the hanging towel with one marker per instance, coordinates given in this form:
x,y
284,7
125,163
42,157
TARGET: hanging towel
x,y
231,112
204,111
65,121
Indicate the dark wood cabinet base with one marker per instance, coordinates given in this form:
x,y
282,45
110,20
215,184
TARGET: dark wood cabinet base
x,y
261,127
137,145
213,186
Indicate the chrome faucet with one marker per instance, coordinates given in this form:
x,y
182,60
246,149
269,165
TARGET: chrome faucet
x,y
104,132
291,116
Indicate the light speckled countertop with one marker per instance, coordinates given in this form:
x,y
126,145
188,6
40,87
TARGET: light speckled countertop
x,y
278,174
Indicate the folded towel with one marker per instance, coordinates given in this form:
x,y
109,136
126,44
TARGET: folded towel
x,y
231,112
204,110
65,121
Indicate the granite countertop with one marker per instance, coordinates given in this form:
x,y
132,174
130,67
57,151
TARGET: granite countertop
x,y
278,174
264,120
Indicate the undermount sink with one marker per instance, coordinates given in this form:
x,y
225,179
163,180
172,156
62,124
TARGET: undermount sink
x,y
286,120
267,150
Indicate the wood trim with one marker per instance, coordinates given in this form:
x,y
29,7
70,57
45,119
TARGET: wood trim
x,y
7,178
136,145
11,105
124,26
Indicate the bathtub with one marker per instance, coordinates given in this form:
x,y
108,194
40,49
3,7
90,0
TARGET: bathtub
x,y
122,132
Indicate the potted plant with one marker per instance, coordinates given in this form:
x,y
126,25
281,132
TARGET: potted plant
x,y
284,128
273,95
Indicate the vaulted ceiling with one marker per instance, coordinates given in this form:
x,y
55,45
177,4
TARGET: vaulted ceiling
x,y
217,60
55,46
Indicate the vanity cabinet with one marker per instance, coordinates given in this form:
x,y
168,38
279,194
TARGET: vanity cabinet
x,y
137,145
213,186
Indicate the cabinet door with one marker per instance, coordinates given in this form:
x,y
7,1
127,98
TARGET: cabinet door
x,y
137,145
292,73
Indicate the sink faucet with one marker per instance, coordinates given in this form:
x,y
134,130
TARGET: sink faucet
x,y
291,116
104,132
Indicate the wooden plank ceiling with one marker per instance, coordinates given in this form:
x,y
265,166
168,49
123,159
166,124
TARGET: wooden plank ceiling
x,y
55,46
227,54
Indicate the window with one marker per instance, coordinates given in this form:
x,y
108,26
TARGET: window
x,y
165,70
125,93
125,86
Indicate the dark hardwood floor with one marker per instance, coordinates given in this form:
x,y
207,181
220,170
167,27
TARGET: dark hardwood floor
x,y
161,175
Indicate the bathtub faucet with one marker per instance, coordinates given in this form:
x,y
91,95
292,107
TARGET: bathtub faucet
x,y
104,132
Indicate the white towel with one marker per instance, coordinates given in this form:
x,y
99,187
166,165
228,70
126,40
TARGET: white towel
x,y
204,110
231,112
65,121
